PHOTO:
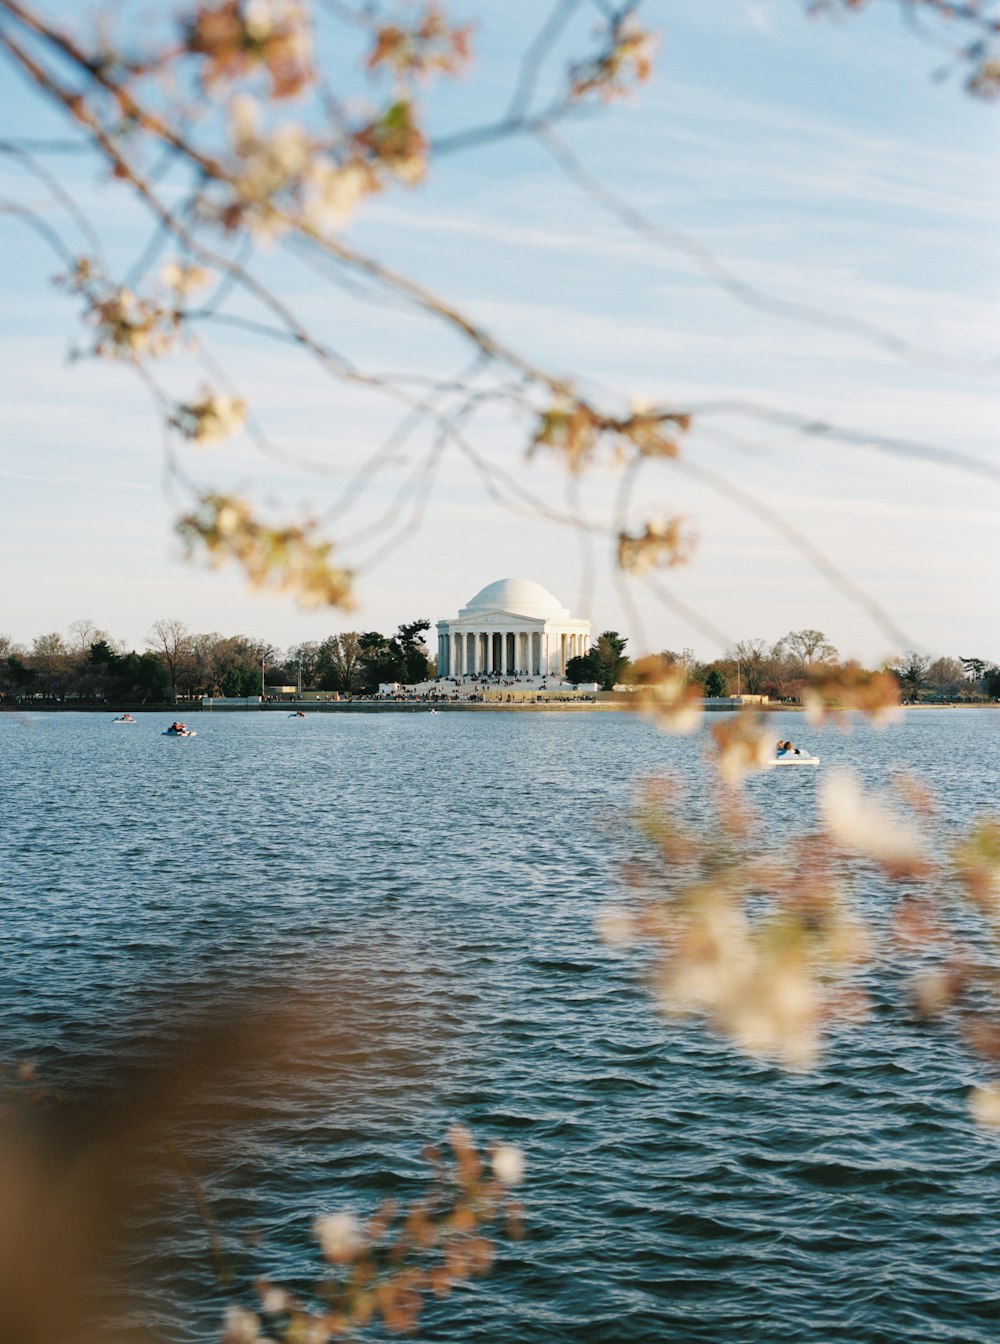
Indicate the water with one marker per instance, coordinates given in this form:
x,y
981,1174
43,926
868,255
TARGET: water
x,y
421,891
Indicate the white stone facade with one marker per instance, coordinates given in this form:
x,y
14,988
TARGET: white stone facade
x,y
513,627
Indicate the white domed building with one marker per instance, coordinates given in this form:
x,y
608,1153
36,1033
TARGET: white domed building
x,y
513,627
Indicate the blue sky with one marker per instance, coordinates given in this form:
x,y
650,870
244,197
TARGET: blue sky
x,y
821,162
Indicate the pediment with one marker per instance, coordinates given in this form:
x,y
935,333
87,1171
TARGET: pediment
x,y
505,620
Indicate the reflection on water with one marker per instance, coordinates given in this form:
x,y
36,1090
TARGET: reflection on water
x,y
421,889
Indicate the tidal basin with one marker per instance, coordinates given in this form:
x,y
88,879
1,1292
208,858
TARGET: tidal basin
x,y
431,882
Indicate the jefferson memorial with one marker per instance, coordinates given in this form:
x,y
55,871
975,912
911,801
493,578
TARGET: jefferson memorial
x,y
513,626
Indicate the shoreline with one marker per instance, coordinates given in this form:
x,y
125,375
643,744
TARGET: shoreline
x,y
619,704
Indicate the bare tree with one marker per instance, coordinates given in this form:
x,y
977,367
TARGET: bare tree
x,y
808,646
946,676
753,658
172,640
304,659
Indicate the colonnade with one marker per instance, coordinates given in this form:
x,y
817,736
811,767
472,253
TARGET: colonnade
x,y
507,652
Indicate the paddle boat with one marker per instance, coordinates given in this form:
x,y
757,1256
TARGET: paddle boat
x,y
298,714
179,730
124,718
787,754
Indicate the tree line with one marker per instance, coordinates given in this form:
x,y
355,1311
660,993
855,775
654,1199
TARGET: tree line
x,y
781,670
89,664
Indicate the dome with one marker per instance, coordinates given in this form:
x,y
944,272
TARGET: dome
x,y
519,597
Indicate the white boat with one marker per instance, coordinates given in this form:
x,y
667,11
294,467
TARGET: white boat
x,y
792,759
172,732
125,721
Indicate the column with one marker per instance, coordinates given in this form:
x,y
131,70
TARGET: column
x,y
474,664
489,651
456,671
544,651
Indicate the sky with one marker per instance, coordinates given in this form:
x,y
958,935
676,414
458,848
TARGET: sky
x,y
834,165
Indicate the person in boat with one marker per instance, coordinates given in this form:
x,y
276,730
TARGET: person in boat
x,y
787,749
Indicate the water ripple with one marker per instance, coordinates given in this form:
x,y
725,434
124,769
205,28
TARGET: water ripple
x,y
422,895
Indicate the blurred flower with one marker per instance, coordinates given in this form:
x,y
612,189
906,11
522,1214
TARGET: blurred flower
x,y
628,56
236,39
977,864
984,1105
569,427
742,746
274,1301
185,278
333,193
425,47
340,1236
936,990
831,689
508,1164
127,326
984,82
664,693
645,428
394,142
288,559
211,419
660,544
863,824
240,1326
616,926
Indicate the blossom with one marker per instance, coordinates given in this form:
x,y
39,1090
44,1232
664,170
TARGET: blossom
x,y
628,56
286,558
664,693
211,419
508,1164
984,1105
743,746
234,39
850,686
240,1326
661,544
274,1301
616,926
184,278
864,824
340,1236
333,192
